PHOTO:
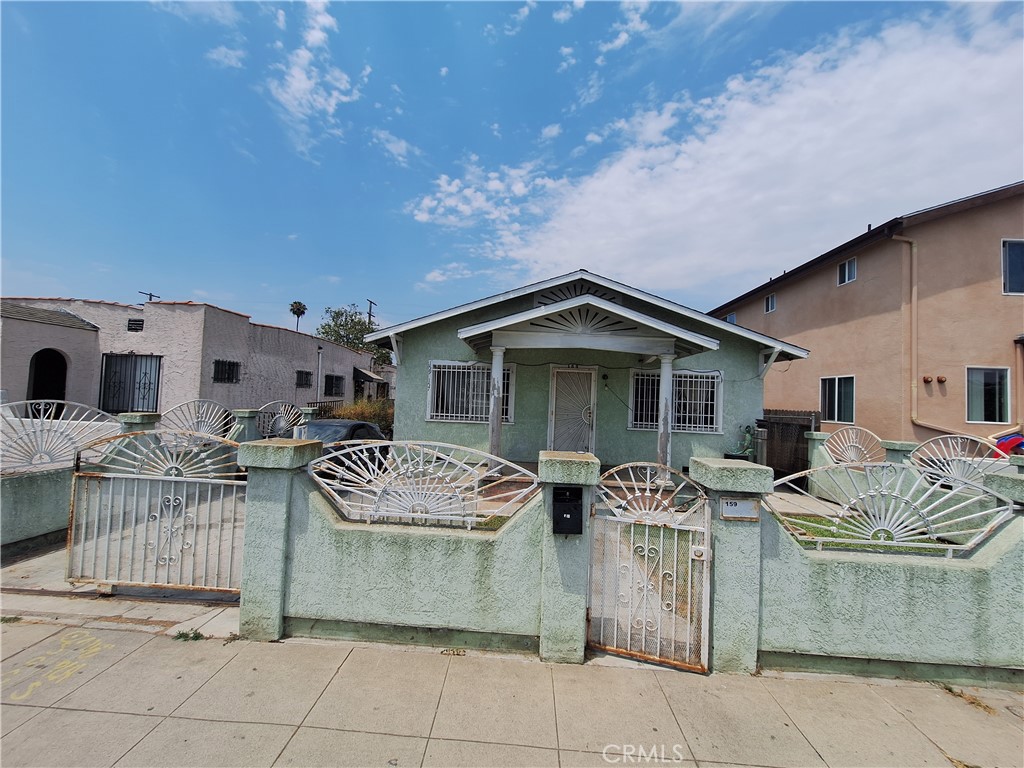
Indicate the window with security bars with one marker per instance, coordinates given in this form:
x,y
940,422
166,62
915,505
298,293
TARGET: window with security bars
x,y
334,386
227,371
303,379
462,392
696,400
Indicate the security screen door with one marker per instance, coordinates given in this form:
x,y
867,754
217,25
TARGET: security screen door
x,y
571,417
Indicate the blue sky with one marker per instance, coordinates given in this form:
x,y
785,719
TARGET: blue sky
x,y
428,154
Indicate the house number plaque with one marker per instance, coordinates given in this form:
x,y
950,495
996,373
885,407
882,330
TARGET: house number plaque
x,y
740,509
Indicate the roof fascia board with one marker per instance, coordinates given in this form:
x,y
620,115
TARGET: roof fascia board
x,y
605,282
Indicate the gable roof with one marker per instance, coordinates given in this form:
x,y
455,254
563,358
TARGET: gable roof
x,y
45,316
556,292
886,231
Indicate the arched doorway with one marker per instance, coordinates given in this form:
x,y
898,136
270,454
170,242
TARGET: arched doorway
x,y
48,375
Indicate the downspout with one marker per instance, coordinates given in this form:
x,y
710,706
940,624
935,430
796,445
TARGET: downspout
x,y
914,325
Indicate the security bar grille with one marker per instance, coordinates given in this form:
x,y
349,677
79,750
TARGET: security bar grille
x,y
696,401
462,392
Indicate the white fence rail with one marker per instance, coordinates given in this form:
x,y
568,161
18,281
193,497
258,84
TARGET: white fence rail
x,y
37,435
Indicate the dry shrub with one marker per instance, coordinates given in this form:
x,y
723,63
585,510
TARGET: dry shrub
x,y
379,412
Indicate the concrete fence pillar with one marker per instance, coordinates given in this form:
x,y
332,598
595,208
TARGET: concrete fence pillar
x,y
898,451
817,456
735,489
272,465
138,422
245,428
565,564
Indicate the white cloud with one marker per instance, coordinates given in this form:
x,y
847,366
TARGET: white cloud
x,y
783,164
226,57
588,92
515,23
565,12
496,130
549,132
223,13
318,23
623,31
443,72
398,149
567,58
281,20
308,89
293,236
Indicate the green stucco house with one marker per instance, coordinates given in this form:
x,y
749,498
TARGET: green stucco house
x,y
580,363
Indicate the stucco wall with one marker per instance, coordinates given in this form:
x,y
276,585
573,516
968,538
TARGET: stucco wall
x,y
80,347
403,575
863,328
189,337
896,607
33,504
615,443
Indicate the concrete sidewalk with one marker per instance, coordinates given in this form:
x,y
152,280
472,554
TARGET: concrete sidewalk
x,y
90,680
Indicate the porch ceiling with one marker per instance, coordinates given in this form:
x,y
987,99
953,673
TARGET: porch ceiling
x,y
586,322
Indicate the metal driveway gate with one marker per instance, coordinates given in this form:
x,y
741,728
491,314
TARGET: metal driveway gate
x,y
158,509
650,567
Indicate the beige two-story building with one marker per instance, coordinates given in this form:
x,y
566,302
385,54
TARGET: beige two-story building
x,y
915,328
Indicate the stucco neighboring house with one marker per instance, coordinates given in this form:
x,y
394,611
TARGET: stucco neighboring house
x,y
154,357
579,363
916,327
47,355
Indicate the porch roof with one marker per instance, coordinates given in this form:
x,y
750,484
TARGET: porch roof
x,y
586,322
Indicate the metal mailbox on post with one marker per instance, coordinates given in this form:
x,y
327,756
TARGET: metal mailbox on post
x,y
567,509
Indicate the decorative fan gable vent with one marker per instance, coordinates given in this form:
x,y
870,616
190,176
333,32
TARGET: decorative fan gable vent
x,y
572,290
584,320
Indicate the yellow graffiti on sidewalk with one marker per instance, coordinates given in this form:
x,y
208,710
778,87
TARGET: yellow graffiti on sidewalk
x,y
52,666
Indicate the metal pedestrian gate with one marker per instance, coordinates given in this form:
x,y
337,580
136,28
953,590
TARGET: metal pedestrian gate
x,y
650,567
158,509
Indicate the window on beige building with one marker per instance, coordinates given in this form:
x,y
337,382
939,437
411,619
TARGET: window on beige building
x,y
847,271
1013,266
988,395
837,399
769,303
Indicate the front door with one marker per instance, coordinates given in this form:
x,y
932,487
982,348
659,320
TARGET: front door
x,y
571,416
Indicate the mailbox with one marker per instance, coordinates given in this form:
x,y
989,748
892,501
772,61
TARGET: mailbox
x,y
567,509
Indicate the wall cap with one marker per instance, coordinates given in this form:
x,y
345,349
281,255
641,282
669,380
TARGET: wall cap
x,y
245,413
279,453
138,418
817,435
899,445
1011,486
732,475
568,467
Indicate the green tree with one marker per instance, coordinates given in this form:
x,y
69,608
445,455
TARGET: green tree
x,y
298,309
349,326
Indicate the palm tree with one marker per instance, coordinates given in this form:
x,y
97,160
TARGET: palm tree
x,y
298,309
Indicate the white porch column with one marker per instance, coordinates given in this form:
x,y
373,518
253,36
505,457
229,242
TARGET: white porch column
x,y
494,432
665,411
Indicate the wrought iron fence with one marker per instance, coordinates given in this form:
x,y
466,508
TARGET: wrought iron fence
x,y
854,444
158,509
277,419
650,567
37,435
888,508
961,457
421,483
204,416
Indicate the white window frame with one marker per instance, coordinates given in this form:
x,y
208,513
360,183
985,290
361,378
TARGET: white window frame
x,y
853,404
1004,259
967,392
679,379
481,416
845,270
769,303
